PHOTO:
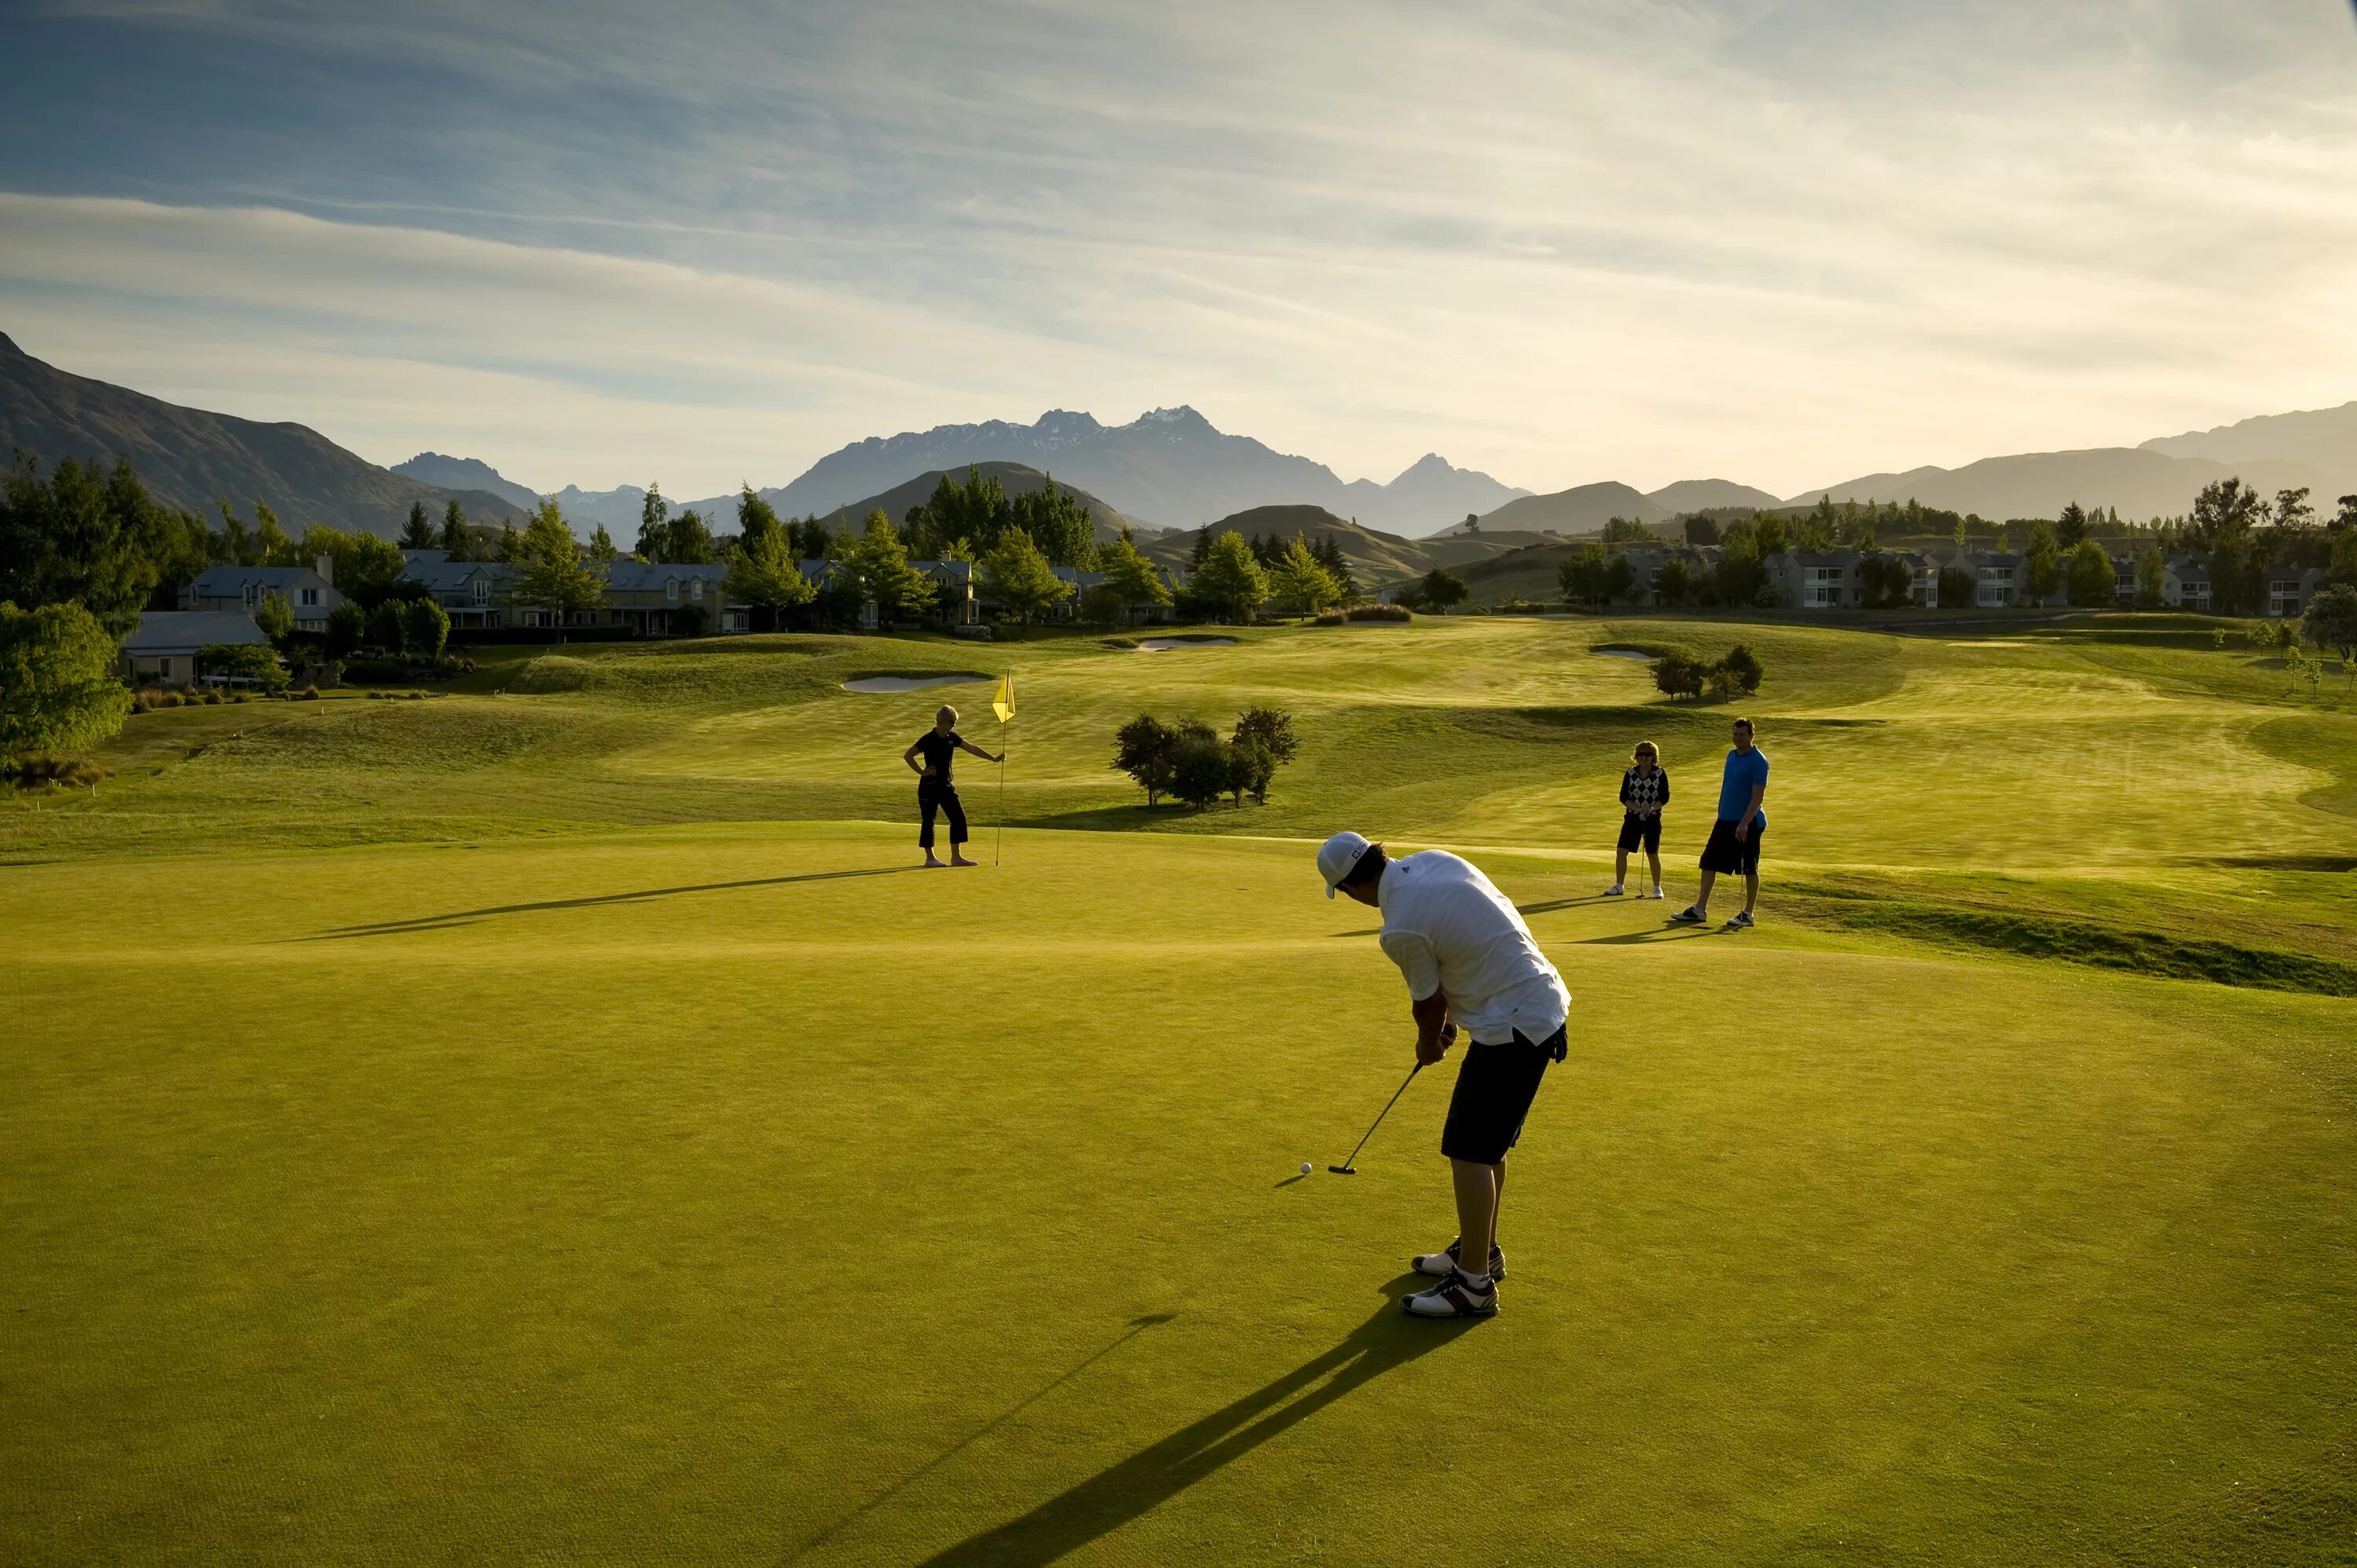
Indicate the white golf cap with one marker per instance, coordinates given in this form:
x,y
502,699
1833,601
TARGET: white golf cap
x,y
1337,856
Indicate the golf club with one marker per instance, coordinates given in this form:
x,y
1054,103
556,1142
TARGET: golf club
x,y
1351,1165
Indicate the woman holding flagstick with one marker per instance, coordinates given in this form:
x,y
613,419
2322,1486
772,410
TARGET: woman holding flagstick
x,y
935,794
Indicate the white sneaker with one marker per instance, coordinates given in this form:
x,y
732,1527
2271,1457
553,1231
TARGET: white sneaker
x,y
1613,891
1444,1263
1656,893
1456,1296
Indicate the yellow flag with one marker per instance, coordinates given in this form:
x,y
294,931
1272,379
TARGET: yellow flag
x,y
1003,704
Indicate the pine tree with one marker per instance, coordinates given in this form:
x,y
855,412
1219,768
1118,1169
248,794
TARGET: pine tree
x,y
654,526
879,567
417,533
1298,580
454,532
1229,584
554,577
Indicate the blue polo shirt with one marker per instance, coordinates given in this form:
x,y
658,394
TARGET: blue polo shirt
x,y
1744,769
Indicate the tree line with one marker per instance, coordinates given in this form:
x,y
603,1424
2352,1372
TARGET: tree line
x,y
1192,762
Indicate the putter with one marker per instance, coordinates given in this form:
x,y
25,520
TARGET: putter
x,y
1351,1165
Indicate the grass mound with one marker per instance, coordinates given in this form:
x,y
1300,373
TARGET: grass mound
x,y
2097,943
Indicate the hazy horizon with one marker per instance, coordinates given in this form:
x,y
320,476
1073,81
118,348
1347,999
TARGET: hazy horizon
x,y
1776,243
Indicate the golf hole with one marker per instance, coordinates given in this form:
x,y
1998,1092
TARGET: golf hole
x,y
907,682
1165,644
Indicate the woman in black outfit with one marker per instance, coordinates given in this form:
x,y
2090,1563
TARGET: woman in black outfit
x,y
935,793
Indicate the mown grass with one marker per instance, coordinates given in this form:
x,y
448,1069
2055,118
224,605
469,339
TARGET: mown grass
x,y
551,1126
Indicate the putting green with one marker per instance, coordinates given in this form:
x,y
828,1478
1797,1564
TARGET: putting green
x,y
556,1182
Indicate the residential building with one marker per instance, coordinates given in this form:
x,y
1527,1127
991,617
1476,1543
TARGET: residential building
x,y
309,592
2185,584
475,595
660,599
162,650
2124,580
1816,579
1996,580
2289,589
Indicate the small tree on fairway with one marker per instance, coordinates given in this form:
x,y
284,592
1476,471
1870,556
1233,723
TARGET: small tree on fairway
x,y
1743,670
425,627
1678,676
1019,576
2091,581
2332,622
1265,735
1201,770
59,691
1147,750
275,617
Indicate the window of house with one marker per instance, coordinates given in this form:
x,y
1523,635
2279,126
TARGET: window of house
x,y
253,594
311,597
695,589
482,590
671,589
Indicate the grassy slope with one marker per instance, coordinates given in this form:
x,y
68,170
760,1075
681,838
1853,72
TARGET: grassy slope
x,y
542,1187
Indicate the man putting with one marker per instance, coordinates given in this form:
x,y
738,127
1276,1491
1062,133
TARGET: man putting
x,y
1735,838
1469,961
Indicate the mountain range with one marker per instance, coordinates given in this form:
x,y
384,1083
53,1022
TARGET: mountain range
x,y
1170,466
187,456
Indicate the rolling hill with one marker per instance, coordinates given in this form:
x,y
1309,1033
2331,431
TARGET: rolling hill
x,y
1376,557
2324,439
187,456
1583,508
1703,495
1015,478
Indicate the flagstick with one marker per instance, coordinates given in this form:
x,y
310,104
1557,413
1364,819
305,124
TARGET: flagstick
x,y
999,842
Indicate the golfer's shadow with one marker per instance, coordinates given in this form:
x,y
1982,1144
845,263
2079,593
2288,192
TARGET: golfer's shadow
x,y
468,916
1146,1479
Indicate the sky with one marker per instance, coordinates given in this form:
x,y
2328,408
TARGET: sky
x,y
1640,239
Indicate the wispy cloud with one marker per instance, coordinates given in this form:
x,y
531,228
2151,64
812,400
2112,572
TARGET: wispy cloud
x,y
1780,241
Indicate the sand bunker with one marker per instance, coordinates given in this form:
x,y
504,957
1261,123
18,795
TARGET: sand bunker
x,y
1620,653
908,683
1165,644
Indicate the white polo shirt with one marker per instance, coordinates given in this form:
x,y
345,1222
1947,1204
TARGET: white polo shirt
x,y
1449,930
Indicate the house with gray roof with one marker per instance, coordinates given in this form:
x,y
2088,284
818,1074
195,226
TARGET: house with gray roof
x,y
309,591
162,650
475,595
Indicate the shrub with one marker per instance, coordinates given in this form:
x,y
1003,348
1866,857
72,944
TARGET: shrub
x,y
311,693
1743,668
1202,769
1145,749
243,660
35,769
416,696
1677,675
1956,589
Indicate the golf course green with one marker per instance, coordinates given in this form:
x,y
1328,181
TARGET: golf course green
x,y
556,1122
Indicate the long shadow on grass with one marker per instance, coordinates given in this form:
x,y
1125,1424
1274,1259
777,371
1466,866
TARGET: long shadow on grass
x,y
1144,1481
468,916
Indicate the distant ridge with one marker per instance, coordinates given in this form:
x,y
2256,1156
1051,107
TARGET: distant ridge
x,y
466,474
186,456
1583,508
1702,495
2140,482
1169,465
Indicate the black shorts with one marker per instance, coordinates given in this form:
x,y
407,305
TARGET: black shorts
x,y
1724,854
1495,1086
1636,830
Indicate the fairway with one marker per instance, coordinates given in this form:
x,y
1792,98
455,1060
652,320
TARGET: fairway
x,y
561,1125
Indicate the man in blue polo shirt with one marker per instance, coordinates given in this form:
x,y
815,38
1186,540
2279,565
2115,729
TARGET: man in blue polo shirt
x,y
1735,837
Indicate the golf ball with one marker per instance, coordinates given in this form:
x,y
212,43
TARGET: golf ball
x,y
1305,1167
